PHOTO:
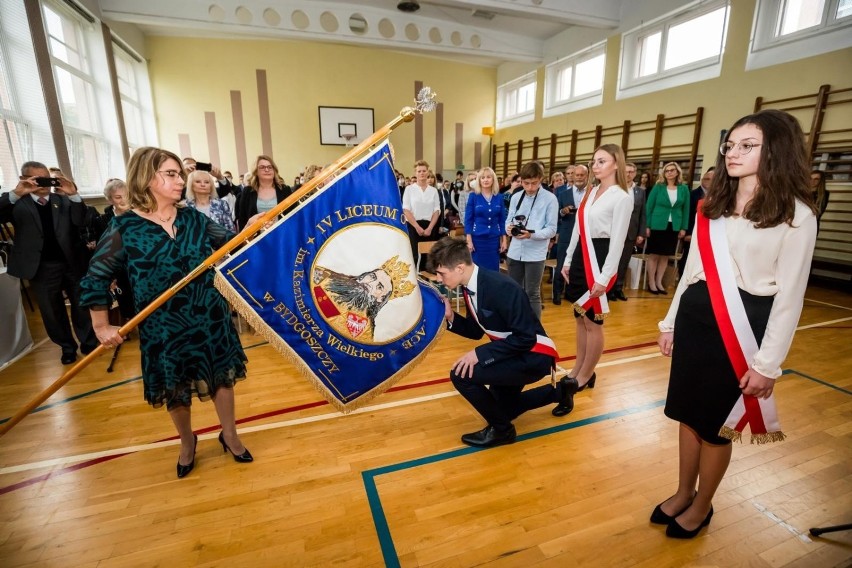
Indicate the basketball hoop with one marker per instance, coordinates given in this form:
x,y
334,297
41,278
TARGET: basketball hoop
x,y
348,137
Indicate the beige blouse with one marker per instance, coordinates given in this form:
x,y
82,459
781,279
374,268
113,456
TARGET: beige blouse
x,y
767,262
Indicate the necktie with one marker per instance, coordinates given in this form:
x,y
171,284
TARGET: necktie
x,y
42,201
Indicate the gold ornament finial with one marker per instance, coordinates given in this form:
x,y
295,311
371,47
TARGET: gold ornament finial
x,y
398,272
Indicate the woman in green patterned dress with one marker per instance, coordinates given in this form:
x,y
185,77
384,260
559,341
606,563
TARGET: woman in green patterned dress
x,y
189,345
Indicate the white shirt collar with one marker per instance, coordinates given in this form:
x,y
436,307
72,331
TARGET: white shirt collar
x,y
471,285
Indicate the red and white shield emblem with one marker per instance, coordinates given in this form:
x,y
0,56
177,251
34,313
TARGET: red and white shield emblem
x,y
355,324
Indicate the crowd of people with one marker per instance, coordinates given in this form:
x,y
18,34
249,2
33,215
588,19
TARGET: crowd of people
x,y
760,202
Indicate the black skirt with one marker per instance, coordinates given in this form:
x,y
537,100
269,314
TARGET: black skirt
x,y
703,387
662,242
577,285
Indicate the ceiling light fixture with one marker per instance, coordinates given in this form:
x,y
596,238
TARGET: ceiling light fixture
x,y
408,6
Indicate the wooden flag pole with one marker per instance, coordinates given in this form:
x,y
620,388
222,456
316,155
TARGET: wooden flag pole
x,y
424,103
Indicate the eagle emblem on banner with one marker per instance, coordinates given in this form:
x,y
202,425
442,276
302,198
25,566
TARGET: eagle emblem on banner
x,y
332,285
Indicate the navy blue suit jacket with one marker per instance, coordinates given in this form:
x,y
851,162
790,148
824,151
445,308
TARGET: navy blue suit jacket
x,y
501,305
565,197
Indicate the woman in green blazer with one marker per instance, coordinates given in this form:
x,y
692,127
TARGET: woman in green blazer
x,y
667,212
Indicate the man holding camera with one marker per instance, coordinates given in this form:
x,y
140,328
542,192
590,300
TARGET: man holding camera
x,y
531,223
568,199
48,252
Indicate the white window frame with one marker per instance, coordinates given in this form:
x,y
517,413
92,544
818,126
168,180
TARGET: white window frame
x,y
768,48
14,128
506,114
140,101
629,82
553,105
94,150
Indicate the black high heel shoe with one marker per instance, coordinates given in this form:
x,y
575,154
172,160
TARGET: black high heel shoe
x,y
569,389
590,383
674,530
183,470
244,457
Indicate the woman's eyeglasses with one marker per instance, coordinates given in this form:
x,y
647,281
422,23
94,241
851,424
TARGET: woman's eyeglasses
x,y
171,174
265,168
745,147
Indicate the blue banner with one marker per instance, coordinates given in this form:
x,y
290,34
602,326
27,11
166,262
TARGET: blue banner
x,y
333,286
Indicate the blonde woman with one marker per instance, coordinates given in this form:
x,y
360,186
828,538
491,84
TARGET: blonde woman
x,y
667,214
591,263
199,195
485,217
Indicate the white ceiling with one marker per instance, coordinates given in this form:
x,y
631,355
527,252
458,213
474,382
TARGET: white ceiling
x,y
483,32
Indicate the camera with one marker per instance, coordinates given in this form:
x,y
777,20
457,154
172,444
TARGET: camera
x,y
519,225
47,182
204,166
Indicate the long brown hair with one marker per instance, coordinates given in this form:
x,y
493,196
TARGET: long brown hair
x,y
783,174
141,169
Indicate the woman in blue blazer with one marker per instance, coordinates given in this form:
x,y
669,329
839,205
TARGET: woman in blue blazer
x,y
667,212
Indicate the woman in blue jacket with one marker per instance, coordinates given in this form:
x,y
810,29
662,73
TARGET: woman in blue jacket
x,y
667,212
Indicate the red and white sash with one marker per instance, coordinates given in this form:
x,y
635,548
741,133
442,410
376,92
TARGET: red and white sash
x,y
740,344
590,263
543,344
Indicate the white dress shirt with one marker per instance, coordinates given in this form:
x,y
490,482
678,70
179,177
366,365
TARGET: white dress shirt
x,y
767,262
421,202
609,218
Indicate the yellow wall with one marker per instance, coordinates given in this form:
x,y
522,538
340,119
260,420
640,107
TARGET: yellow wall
x,y
725,98
192,76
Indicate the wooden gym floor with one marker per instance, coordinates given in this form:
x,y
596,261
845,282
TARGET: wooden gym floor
x,y
89,479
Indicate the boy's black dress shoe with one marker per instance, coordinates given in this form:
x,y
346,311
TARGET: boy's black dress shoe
x,y
569,389
68,358
620,295
489,437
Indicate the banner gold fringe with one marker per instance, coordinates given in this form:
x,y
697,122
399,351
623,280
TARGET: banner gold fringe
x,y
582,311
731,434
766,438
261,327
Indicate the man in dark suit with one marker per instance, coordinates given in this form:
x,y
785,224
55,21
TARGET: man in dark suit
x,y
492,376
695,196
635,233
49,253
569,200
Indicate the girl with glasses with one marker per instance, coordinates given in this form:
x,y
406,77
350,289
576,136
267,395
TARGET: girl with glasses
x,y
736,307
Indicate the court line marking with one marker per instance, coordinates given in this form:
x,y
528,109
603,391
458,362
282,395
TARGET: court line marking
x,y
374,500
828,304
174,441
97,390
112,454
777,520
369,476
823,324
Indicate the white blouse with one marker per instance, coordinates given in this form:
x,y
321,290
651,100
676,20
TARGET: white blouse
x,y
767,262
421,202
609,218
